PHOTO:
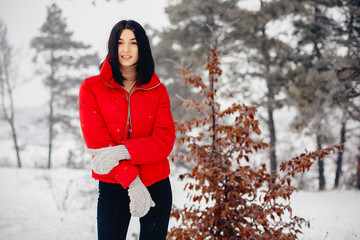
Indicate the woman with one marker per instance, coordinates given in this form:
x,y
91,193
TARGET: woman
x,y
129,130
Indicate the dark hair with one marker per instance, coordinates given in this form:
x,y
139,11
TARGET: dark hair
x,y
145,66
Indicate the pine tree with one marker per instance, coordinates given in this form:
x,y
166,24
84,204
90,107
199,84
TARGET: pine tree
x,y
319,89
271,58
185,43
246,32
348,73
64,59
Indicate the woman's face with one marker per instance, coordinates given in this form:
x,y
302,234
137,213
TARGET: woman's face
x,y
128,49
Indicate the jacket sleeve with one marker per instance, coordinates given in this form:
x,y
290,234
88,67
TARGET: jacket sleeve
x,y
96,134
158,146
93,127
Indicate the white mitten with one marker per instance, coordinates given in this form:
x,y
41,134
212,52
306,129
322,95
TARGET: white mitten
x,y
105,159
140,199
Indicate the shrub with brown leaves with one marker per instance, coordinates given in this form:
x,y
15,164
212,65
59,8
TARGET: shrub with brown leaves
x,y
230,199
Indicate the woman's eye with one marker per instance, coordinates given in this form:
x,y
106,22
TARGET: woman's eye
x,y
120,43
134,43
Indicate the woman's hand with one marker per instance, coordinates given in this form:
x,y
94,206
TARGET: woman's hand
x,y
105,159
140,199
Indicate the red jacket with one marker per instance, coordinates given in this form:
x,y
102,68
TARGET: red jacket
x,y
142,121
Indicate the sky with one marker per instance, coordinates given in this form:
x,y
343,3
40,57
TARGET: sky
x,y
90,24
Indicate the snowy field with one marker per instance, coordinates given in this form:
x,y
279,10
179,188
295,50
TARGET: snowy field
x,y
60,204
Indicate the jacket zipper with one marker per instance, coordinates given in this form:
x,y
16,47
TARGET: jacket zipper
x,y
128,121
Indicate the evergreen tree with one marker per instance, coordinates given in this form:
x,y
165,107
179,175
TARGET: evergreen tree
x,y
318,91
270,58
348,73
64,59
186,42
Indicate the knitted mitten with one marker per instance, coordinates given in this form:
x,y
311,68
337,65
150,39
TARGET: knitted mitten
x,y
105,159
140,199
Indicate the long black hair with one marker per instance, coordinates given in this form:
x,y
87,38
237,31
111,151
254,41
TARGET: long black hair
x,y
145,66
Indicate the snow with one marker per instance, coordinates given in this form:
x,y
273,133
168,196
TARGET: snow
x,y
61,204
333,215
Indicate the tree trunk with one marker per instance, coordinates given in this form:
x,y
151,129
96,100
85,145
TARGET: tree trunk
x,y
270,101
51,129
321,165
51,107
271,126
17,149
340,153
212,91
358,170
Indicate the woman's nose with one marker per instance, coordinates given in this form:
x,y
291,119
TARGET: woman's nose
x,y
126,48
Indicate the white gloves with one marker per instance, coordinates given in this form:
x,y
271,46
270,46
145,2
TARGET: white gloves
x,y
105,159
140,199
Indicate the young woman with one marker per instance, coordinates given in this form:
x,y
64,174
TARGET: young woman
x,y
129,130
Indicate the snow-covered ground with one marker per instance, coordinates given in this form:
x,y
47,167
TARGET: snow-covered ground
x,y
60,204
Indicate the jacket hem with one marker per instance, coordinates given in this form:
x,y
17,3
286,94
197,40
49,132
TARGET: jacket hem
x,y
147,183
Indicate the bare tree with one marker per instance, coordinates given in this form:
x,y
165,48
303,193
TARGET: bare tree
x,y
6,87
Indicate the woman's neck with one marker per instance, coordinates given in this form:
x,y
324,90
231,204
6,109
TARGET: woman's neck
x,y
130,75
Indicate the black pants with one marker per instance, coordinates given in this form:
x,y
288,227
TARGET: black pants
x,y
113,213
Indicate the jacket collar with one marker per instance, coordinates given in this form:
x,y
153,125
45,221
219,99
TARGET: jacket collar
x,y
107,76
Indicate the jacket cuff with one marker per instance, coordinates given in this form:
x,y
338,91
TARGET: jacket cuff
x,y
126,173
